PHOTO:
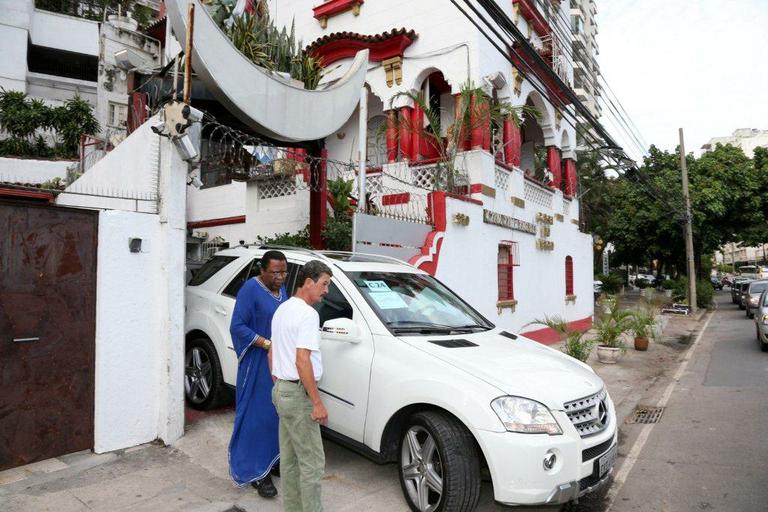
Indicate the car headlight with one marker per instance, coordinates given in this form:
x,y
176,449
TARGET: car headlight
x,y
765,319
753,300
525,416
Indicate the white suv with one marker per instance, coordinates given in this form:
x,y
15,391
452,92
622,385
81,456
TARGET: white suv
x,y
415,375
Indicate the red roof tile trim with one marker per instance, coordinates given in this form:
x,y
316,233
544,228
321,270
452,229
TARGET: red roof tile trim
x,y
333,7
342,45
532,15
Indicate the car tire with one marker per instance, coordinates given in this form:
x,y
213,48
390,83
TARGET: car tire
x,y
763,346
204,386
446,479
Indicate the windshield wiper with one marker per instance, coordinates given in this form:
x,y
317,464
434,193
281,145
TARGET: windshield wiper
x,y
405,326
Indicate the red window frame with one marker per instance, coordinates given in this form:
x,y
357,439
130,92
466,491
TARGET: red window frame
x,y
507,258
568,275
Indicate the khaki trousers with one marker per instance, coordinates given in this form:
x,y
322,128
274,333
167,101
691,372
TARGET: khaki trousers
x,y
302,459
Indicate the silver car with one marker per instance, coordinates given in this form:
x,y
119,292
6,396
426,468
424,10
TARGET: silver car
x,y
761,321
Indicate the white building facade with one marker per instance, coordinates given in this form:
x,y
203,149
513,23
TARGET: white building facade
x,y
506,241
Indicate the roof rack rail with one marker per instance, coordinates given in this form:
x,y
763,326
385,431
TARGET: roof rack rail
x,y
374,257
312,252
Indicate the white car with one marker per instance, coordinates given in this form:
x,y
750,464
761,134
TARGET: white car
x,y
415,375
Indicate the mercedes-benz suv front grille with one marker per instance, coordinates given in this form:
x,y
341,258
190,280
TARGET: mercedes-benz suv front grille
x,y
589,414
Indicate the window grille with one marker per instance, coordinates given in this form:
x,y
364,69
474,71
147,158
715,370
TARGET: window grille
x,y
508,258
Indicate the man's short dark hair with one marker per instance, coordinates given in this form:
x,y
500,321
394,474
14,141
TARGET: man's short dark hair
x,y
269,256
313,270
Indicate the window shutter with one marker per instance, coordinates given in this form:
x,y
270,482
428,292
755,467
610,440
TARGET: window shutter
x,y
568,275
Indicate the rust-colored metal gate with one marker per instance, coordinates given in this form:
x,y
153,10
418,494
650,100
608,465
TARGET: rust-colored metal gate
x,y
47,331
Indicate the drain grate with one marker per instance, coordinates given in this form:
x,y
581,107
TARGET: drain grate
x,y
645,414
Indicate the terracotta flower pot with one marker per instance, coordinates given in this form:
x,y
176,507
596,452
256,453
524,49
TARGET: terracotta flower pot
x,y
641,344
608,355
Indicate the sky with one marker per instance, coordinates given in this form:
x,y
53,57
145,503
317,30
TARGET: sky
x,y
700,65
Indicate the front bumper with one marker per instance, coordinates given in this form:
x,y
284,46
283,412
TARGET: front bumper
x,y
515,462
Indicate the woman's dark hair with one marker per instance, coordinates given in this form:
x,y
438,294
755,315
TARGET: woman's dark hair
x,y
313,270
269,256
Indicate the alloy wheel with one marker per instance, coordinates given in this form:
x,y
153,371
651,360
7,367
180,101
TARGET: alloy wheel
x,y
198,375
422,468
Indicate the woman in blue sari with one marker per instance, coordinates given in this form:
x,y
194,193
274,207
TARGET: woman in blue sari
x,y
254,448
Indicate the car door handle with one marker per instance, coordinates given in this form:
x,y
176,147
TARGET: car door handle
x,y
220,311
25,340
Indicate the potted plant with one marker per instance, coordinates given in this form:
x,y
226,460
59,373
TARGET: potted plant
x,y
609,329
641,324
576,344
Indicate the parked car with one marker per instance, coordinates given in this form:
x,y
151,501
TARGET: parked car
x,y
743,287
736,289
716,283
415,375
752,296
761,321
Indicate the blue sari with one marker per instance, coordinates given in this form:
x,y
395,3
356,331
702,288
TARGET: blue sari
x,y
254,447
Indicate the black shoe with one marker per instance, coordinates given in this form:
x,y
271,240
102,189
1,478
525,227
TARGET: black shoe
x,y
265,487
275,471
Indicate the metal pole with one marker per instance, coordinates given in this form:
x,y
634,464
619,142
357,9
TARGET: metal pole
x,y
362,137
688,229
188,53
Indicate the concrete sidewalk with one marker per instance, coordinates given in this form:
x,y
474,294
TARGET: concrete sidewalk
x,y
192,475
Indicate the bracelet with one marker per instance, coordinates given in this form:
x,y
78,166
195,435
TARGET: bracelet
x,y
266,344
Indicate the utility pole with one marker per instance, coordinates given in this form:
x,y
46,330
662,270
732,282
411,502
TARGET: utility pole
x,y
688,229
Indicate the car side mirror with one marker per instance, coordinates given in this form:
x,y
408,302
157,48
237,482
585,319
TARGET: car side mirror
x,y
342,329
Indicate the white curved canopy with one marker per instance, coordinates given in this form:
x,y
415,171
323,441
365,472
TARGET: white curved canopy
x,y
261,100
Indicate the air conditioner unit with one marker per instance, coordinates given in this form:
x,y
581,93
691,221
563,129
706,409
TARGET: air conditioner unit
x,y
202,235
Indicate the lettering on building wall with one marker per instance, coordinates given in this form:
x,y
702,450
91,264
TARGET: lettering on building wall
x,y
505,221
544,218
545,245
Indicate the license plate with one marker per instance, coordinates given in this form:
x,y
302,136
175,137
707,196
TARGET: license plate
x,y
607,460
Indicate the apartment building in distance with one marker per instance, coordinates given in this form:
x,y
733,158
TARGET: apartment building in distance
x,y
585,51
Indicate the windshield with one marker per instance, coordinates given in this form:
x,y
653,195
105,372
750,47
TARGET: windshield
x,y
756,288
417,304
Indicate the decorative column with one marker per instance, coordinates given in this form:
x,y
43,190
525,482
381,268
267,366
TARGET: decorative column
x,y
318,198
458,111
475,123
512,142
406,147
485,110
553,163
391,136
417,125
570,177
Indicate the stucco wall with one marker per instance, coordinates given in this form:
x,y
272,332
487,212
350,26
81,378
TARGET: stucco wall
x,y
128,335
125,179
25,170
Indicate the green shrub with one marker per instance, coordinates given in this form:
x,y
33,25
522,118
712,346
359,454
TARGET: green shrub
x,y
642,283
680,289
299,239
668,284
22,119
612,283
704,293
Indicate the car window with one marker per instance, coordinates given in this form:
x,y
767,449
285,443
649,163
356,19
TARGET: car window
x,y
210,268
235,284
756,288
290,279
333,305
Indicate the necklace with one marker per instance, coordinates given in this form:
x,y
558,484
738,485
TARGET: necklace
x,y
278,297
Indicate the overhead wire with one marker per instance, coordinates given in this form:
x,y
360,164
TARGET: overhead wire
x,y
564,111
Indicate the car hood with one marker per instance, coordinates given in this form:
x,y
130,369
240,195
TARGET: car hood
x,y
518,367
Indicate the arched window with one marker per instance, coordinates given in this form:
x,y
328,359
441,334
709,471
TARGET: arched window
x,y
568,275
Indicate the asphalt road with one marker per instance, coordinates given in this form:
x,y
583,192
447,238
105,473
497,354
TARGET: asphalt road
x,y
709,449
